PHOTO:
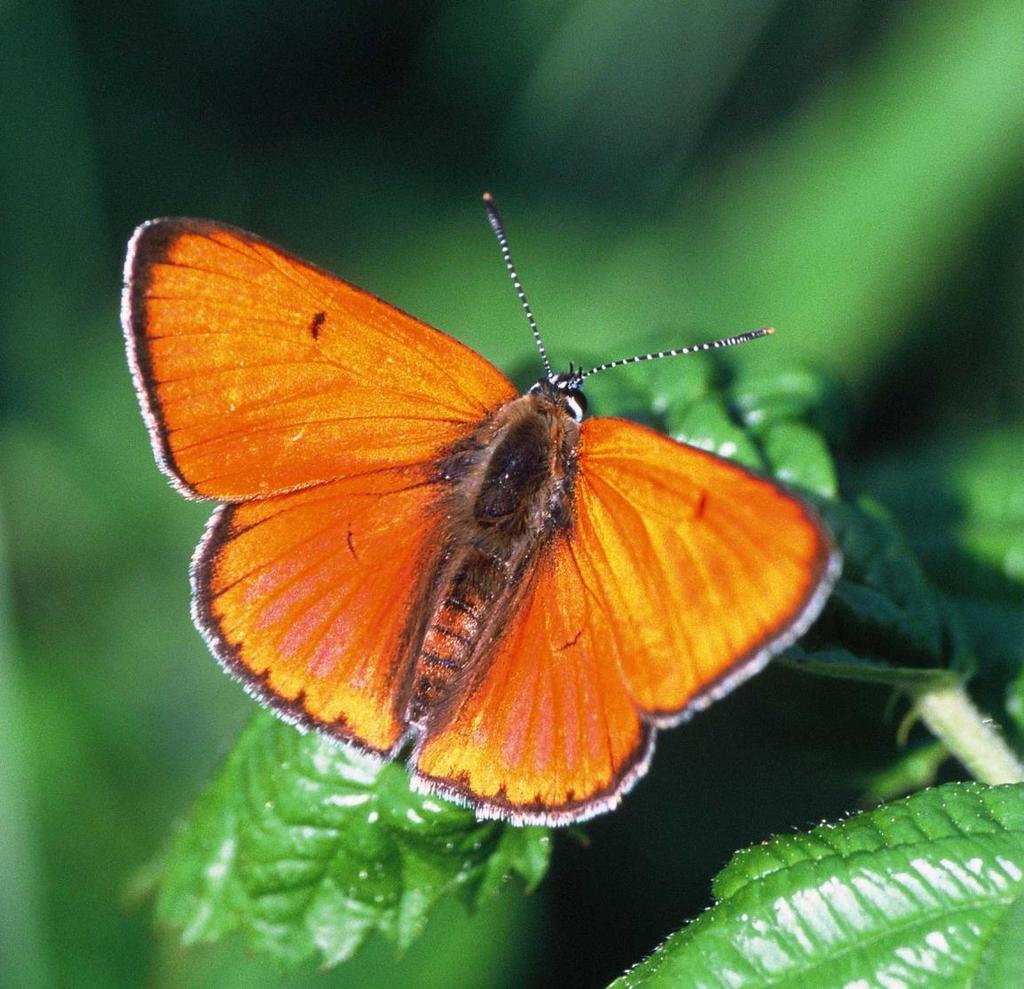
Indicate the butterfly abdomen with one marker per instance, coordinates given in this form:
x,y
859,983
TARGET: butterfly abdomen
x,y
452,635
509,490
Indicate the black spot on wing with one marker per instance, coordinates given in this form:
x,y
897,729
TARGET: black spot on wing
x,y
571,642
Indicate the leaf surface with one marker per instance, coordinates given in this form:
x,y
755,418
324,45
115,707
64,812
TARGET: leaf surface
x,y
924,892
309,847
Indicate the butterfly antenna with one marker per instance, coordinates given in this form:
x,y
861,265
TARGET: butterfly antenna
x,y
680,351
494,218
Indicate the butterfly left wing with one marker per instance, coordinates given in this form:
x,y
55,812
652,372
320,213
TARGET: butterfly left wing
x,y
305,598
259,373
546,732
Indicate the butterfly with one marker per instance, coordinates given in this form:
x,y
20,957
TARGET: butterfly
x,y
412,558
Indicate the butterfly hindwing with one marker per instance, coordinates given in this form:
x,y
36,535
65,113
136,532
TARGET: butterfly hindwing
x,y
549,732
305,598
260,373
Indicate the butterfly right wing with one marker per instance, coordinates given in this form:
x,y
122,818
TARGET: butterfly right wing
x,y
709,569
305,598
681,575
546,732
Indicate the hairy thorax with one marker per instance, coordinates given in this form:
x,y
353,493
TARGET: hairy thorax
x,y
508,490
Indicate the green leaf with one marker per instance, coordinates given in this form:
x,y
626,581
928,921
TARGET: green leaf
x,y
915,769
882,610
841,664
766,395
706,424
990,483
309,847
1001,967
799,457
1015,702
924,892
961,504
651,387
735,408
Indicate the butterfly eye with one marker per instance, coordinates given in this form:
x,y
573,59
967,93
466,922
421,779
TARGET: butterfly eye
x,y
576,402
564,387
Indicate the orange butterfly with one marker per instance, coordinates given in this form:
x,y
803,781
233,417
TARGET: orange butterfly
x,y
415,560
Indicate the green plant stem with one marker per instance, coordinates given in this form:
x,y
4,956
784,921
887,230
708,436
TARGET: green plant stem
x,y
967,733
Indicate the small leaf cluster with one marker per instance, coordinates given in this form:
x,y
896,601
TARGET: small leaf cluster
x,y
308,847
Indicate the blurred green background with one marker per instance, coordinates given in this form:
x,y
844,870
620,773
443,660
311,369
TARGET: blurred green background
x,y
849,172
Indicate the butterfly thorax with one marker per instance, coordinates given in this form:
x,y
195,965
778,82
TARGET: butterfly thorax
x,y
506,490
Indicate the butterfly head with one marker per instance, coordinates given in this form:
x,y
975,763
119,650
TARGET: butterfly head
x,y
566,390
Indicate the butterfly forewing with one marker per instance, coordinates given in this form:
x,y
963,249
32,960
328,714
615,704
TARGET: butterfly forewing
x,y
260,373
708,568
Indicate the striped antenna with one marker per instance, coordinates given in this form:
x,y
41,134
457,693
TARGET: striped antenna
x,y
679,351
498,227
